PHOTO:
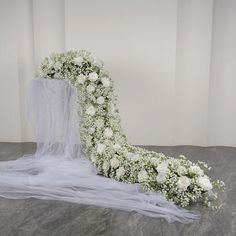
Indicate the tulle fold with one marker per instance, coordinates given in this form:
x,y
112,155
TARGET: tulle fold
x,y
59,171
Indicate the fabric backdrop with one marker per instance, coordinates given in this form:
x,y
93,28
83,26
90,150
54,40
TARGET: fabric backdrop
x,y
173,63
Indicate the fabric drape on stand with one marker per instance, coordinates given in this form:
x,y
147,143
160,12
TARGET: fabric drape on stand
x,y
59,171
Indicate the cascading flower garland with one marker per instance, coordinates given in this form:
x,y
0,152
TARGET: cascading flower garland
x,y
104,143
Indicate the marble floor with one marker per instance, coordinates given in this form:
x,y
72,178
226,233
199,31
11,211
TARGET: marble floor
x,y
39,218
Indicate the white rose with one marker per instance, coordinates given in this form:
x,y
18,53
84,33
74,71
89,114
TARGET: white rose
x,y
105,82
108,132
163,167
90,88
204,182
116,146
105,165
142,176
120,172
93,76
161,178
100,100
183,183
101,148
181,170
99,123
196,170
81,79
115,162
91,111
78,60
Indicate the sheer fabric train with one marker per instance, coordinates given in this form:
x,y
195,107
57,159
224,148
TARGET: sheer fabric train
x,y
59,171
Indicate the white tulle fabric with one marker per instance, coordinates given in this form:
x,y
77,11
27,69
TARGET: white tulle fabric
x,y
59,171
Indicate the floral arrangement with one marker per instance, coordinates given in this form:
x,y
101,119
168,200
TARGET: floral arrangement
x,y
180,180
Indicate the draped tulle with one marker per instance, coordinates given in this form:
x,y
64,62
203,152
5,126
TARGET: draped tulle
x,y
59,171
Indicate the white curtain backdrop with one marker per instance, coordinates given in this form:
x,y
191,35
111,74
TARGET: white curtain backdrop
x,y
173,62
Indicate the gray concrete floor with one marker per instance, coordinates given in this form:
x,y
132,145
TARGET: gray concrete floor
x,y
38,217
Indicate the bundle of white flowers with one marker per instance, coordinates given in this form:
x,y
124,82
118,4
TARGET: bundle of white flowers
x,y
104,143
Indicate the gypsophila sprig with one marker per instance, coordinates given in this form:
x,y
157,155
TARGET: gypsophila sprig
x,y
104,143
